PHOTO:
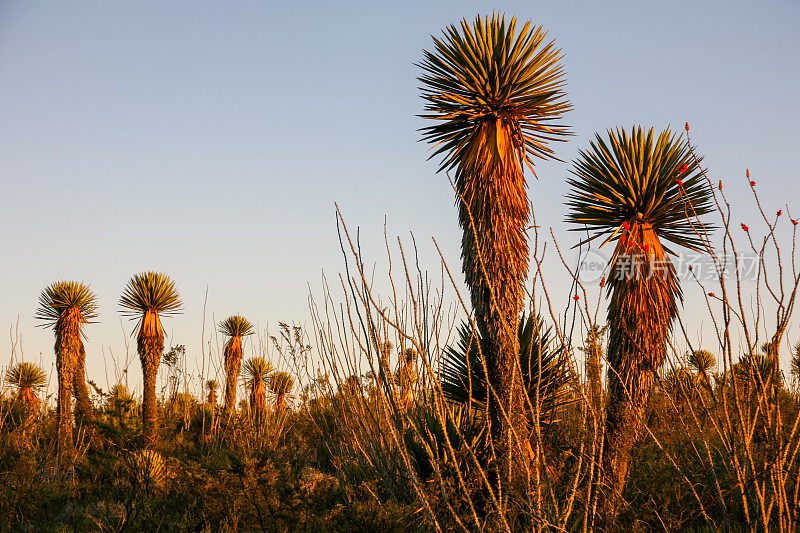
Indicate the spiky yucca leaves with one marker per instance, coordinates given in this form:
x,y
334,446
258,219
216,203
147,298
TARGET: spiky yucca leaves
x,y
794,365
148,469
757,370
637,190
235,328
120,401
497,95
463,376
703,361
257,371
28,378
147,297
281,384
432,434
212,387
66,306
682,383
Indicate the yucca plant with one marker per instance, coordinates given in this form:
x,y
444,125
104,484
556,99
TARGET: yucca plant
x,y
407,377
236,328
594,351
212,387
257,371
66,307
703,361
497,96
147,298
120,401
637,190
544,366
756,371
794,364
682,383
430,433
28,378
148,469
281,384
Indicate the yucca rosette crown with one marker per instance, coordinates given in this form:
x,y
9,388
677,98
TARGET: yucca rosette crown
x,y
257,370
235,327
281,383
624,180
495,92
28,378
66,301
147,297
150,293
702,360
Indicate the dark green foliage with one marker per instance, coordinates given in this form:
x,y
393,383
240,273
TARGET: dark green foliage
x,y
464,377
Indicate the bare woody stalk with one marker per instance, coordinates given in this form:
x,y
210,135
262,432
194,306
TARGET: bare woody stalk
x,y
147,297
66,306
637,190
495,94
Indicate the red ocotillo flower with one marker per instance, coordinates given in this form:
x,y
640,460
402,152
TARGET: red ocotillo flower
x,y
744,227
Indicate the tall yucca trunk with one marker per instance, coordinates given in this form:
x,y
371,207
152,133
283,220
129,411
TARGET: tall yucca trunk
x,y
494,214
151,346
233,365
83,403
280,401
640,315
258,397
67,350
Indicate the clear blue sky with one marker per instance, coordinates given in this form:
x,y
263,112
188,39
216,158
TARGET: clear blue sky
x,y
209,140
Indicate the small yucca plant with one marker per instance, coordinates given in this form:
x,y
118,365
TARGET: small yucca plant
x,y
212,387
281,384
236,328
120,401
702,360
257,371
148,468
544,367
756,370
28,378
682,383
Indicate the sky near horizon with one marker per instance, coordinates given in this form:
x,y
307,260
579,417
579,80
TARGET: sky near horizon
x,y
210,140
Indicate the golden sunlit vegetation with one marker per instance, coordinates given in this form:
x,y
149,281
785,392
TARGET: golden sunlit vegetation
x,y
405,405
